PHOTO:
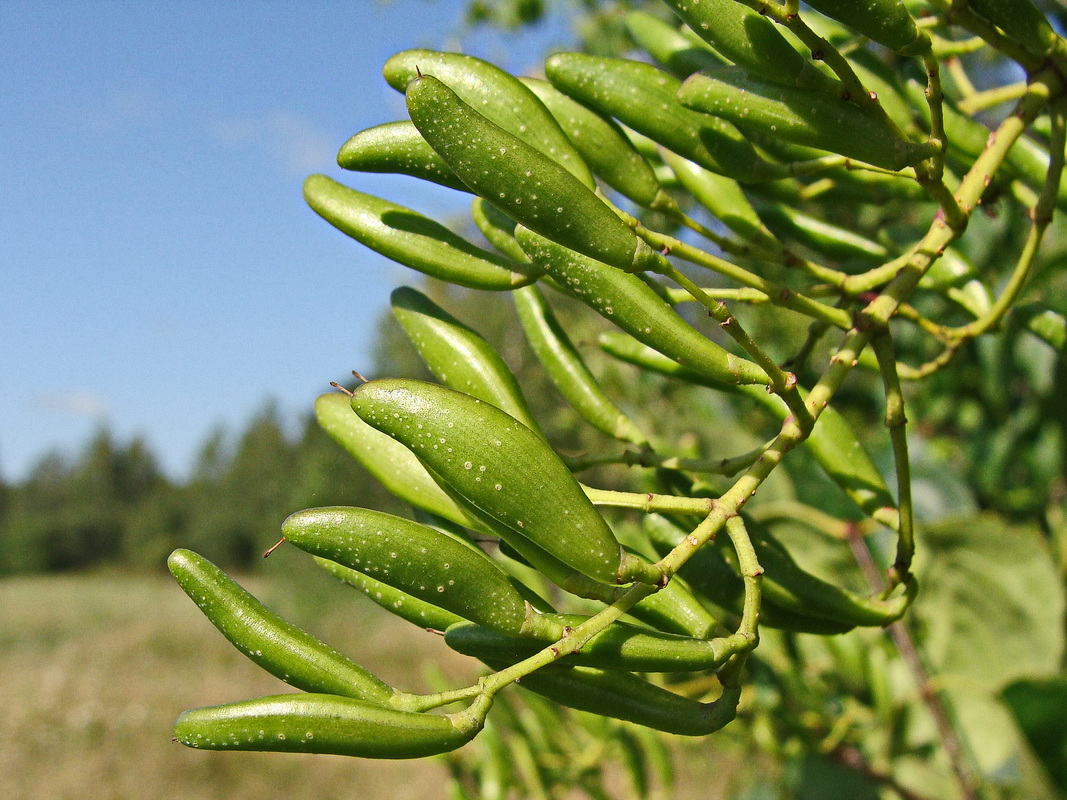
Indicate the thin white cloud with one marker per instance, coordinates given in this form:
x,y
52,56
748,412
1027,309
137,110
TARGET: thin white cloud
x,y
122,107
78,404
288,139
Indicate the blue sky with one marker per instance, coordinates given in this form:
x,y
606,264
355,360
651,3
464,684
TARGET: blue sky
x,y
159,271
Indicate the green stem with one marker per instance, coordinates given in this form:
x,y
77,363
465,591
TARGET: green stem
x,y
751,573
745,295
981,101
957,13
871,279
647,458
1041,216
796,511
779,295
930,173
896,422
960,76
948,49
783,383
649,502
575,639
425,702
725,243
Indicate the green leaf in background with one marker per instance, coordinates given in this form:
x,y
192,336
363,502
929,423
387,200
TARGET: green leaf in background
x,y
819,778
996,748
1040,708
992,605
1044,323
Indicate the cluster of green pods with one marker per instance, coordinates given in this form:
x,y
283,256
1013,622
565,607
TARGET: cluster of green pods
x,y
750,40
509,556
800,116
343,710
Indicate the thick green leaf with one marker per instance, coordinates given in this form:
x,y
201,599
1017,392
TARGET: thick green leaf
x,y
991,606
995,748
1044,323
1040,708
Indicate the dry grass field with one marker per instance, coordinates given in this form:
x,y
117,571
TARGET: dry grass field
x,y
96,667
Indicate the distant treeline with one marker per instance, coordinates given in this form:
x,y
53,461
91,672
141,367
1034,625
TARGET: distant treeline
x,y
111,503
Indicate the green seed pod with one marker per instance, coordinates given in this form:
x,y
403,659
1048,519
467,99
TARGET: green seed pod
x,y
568,371
791,596
669,47
774,146
619,647
628,302
397,147
713,573
885,81
499,97
723,197
401,604
606,149
645,99
413,558
522,550
321,723
411,239
1021,20
884,21
621,695
502,468
521,181
750,40
832,31
498,229
675,609
783,619
804,117
790,588
458,356
832,442
522,582
628,348
823,237
278,646
394,466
